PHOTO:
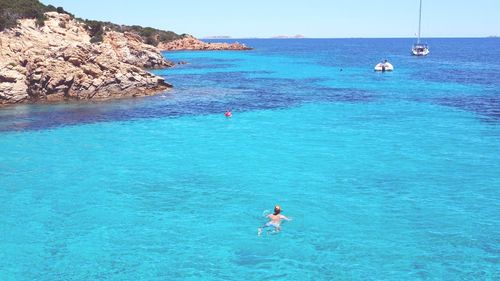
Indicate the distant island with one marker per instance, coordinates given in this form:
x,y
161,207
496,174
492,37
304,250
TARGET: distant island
x,y
298,36
217,37
47,54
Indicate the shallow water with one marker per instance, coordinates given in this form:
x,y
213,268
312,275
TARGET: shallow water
x,y
390,176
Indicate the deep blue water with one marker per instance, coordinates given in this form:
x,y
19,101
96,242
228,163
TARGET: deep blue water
x,y
392,176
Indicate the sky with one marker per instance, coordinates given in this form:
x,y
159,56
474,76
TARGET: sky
x,y
311,18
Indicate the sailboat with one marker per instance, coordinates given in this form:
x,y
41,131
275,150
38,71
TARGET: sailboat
x,y
420,49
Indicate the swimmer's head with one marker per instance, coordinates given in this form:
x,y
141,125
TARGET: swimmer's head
x,y
277,210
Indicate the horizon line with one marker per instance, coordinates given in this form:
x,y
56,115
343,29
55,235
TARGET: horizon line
x,y
430,37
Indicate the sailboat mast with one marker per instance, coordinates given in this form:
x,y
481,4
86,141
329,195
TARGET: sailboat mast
x,y
419,22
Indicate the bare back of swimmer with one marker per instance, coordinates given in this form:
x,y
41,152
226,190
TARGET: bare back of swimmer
x,y
275,220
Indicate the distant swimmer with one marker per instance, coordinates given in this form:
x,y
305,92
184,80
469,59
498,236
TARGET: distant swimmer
x,y
275,220
228,114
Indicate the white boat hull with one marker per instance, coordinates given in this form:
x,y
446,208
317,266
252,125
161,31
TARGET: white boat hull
x,y
384,67
420,52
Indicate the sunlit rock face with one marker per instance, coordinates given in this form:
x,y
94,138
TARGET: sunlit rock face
x,y
57,62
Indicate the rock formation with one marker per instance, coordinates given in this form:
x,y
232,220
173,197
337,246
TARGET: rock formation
x,y
57,62
130,49
191,43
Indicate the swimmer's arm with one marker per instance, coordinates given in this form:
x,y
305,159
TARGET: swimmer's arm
x,y
285,218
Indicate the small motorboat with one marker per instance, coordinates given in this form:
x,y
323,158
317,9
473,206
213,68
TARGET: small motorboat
x,y
384,66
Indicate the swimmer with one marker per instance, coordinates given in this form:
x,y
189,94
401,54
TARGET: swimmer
x,y
228,114
275,220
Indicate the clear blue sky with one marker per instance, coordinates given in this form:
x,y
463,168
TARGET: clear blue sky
x,y
312,18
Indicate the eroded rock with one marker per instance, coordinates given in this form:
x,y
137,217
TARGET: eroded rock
x,y
58,62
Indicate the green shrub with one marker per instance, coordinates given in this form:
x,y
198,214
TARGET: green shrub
x,y
96,38
12,10
95,29
40,20
51,8
151,40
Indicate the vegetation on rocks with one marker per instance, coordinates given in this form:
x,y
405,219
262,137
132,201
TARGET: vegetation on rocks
x,y
13,10
149,35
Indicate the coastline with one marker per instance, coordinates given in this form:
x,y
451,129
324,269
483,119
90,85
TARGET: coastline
x,y
57,62
141,93
190,43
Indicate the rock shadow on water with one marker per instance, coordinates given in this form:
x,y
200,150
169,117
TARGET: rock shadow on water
x,y
201,95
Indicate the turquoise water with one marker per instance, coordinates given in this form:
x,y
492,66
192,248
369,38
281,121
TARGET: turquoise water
x,y
391,176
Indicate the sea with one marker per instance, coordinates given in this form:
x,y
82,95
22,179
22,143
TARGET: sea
x,y
386,176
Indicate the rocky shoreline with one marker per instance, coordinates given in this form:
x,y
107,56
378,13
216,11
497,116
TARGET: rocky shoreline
x,y
191,43
57,62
